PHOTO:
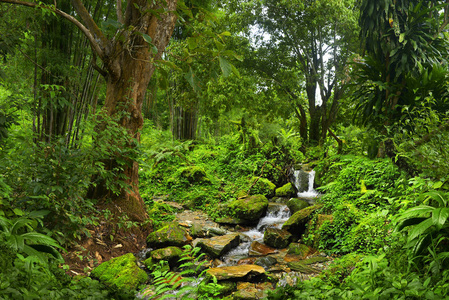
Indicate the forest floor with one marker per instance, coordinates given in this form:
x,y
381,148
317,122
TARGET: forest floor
x,y
106,241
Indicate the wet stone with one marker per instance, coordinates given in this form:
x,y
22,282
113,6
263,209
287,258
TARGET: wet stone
x,y
258,249
235,272
266,262
276,238
219,245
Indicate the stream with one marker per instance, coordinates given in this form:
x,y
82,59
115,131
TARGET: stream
x,y
240,256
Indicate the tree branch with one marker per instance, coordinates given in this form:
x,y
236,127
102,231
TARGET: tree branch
x,y
93,42
119,12
99,38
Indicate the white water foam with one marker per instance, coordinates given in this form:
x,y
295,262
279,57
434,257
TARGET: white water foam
x,y
272,219
310,193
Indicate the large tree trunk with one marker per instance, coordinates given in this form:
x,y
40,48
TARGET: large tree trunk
x,y
129,73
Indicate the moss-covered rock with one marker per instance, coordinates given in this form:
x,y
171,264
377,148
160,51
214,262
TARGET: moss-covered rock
x,y
262,186
287,190
276,238
170,254
169,235
299,266
300,250
296,204
296,224
121,272
194,174
249,209
266,262
314,260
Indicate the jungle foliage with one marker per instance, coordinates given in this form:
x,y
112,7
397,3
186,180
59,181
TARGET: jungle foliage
x,y
244,91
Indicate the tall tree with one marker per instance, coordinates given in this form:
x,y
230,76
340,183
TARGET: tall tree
x,y
303,46
143,31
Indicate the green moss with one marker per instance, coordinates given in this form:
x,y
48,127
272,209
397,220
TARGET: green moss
x,y
249,208
298,249
297,204
121,272
194,174
299,219
169,235
314,260
166,253
262,186
287,190
299,266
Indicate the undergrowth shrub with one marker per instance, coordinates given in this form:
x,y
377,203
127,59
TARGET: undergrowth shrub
x,y
54,176
223,167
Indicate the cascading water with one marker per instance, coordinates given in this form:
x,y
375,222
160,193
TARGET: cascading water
x,y
305,189
274,218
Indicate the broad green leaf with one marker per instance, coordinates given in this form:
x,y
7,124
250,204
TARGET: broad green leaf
x,y
225,66
439,217
420,229
417,211
191,79
219,45
409,222
147,38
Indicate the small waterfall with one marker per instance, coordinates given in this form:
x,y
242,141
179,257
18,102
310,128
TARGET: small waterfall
x,y
274,218
304,183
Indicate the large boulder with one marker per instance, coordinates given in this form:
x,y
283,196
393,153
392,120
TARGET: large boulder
x,y
296,204
235,272
262,186
287,190
169,235
301,178
121,272
219,245
296,224
249,209
276,238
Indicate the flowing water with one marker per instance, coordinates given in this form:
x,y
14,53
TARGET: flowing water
x,y
276,217
309,192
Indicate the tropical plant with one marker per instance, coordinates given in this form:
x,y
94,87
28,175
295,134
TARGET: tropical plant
x,y
427,223
404,44
20,235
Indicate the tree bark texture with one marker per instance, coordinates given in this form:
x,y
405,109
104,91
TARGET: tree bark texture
x,y
130,66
